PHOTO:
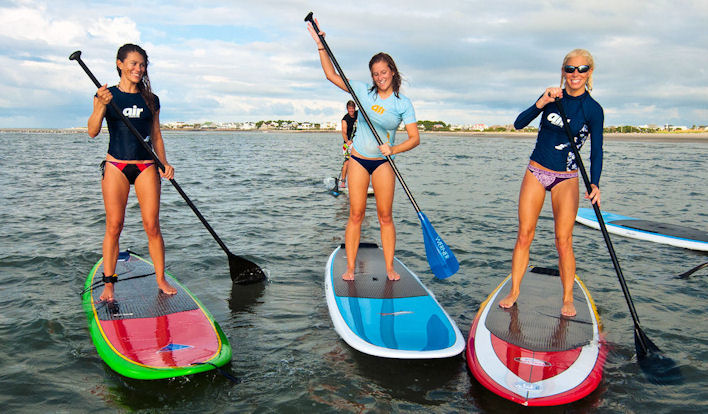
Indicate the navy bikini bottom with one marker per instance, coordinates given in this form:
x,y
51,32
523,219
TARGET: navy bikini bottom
x,y
369,165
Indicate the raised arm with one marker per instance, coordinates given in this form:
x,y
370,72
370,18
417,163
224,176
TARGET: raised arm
x,y
327,65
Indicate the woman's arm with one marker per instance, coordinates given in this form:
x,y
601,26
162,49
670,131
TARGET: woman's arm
x,y
103,97
158,144
327,65
407,145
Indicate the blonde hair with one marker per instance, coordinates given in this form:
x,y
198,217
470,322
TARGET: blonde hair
x,y
578,52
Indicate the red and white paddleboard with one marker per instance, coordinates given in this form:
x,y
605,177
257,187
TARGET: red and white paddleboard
x,y
532,355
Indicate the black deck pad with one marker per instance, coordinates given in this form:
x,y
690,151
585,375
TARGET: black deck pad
x,y
663,228
535,321
370,280
139,297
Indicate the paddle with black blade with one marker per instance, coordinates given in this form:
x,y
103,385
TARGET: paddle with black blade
x,y
440,258
242,270
659,368
685,275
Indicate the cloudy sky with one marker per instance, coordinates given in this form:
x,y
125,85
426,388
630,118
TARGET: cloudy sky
x,y
463,61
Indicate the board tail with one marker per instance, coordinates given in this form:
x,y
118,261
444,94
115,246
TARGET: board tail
x,y
442,261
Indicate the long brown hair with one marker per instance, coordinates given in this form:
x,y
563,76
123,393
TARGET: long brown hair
x,y
386,58
144,86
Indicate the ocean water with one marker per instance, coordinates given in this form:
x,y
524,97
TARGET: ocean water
x,y
264,195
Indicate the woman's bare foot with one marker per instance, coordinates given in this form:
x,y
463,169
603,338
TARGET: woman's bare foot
x,y
165,287
568,308
108,291
509,300
348,275
392,275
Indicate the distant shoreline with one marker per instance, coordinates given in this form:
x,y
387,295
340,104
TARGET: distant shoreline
x,y
701,137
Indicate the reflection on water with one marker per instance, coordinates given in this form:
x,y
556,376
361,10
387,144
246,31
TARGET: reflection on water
x,y
264,196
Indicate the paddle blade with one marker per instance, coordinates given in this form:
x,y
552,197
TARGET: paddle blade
x,y
657,367
442,261
244,271
685,275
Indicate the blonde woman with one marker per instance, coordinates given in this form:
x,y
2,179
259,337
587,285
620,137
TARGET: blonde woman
x,y
552,168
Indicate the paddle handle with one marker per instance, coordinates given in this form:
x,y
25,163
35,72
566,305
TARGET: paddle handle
x,y
310,19
77,57
603,228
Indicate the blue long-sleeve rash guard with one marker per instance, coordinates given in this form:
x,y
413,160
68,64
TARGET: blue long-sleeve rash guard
x,y
585,118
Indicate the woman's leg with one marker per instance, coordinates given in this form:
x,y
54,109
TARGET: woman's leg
x,y
564,198
384,182
531,198
147,189
358,183
115,188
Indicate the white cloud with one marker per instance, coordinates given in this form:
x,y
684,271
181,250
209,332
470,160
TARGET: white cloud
x,y
34,24
114,31
465,61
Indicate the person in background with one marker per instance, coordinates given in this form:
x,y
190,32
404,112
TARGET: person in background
x,y
129,163
387,108
553,168
348,128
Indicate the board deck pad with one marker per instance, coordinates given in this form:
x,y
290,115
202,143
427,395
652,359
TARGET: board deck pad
x,y
540,326
663,228
381,317
370,280
139,297
147,334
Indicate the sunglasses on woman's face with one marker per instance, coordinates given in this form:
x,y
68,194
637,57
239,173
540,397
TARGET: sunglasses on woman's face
x,y
571,68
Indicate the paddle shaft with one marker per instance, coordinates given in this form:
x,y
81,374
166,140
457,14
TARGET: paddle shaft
x,y
77,57
603,228
310,19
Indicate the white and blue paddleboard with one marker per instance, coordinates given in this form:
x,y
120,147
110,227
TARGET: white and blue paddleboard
x,y
391,319
679,236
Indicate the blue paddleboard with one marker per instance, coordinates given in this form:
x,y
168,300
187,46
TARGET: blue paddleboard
x,y
391,319
679,236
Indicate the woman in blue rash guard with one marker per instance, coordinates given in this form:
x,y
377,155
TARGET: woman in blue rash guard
x,y
386,108
553,168
128,162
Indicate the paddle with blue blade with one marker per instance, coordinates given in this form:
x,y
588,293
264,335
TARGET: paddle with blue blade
x,y
658,368
442,261
242,270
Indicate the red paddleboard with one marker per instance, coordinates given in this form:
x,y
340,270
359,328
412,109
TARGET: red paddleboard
x,y
532,355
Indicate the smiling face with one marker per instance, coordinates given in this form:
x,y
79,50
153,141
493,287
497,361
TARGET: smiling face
x,y
575,82
132,68
382,75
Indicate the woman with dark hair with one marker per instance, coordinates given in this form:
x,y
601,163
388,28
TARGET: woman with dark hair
x,y
128,162
552,168
386,108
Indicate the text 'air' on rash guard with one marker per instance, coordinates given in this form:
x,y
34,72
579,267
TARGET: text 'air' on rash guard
x,y
123,145
385,114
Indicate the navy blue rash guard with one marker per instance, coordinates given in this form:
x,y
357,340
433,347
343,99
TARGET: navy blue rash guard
x,y
585,118
122,144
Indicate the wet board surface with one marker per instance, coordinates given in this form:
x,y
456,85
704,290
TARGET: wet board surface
x,y
532,355
671,234
146,334
393,319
